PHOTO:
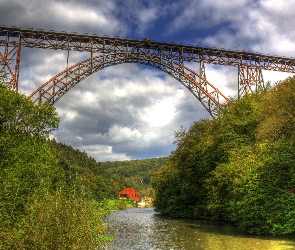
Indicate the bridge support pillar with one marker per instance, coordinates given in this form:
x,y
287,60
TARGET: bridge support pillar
x,y
203,74
9,62
250,80
202,69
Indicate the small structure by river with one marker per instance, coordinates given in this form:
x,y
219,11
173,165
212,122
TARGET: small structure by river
x,y
129,193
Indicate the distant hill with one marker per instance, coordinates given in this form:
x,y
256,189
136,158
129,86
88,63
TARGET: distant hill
x,y
108,178
136,173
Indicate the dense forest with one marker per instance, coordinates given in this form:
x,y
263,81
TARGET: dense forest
x,y
135,173
108,178
51,195
238,167
41,205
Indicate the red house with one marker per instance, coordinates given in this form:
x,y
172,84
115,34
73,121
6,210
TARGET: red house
x,y
129,192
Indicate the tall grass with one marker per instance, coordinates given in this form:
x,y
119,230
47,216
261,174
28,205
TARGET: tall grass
x,y
59,220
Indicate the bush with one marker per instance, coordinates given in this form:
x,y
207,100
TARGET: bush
x,y
238,167
39,207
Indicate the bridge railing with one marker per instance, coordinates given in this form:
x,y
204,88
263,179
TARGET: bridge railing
x,y
250,65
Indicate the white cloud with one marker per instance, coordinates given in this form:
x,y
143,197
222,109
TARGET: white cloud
x,y
274,76
160,114
134,109
105,152
74,13
205,13
78,14
139,16
148,15
121,134
223,78
131,111
69,115
260,26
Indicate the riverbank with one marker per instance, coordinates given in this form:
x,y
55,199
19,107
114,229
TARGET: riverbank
x,y
107,206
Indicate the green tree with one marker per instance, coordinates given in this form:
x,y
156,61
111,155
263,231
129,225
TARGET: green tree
x,y
26,161
18,115
190,164
167,191
278,112
255,188
237,167
39,209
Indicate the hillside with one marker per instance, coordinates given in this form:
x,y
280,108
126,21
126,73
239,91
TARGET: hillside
x,y
108,178
237,167
135,173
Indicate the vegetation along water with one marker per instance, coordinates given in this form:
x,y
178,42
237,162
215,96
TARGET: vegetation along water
x,y
238,168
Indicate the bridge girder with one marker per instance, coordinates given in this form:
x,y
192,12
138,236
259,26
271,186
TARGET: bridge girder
x,y
250,80
9,62
250,65
51,91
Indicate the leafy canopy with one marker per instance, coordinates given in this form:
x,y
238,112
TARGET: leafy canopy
x,y
19,115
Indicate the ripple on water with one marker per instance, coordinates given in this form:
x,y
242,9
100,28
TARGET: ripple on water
x,y
144,229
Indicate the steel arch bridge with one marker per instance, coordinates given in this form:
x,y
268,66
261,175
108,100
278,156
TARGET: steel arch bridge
x,y
108,51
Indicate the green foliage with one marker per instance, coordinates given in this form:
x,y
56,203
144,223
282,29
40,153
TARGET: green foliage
x,y
60,220
199,150
167,191
195,164
79,164
122,205
237,167
254,191
18,115
40,208
106,179
278,113
134,173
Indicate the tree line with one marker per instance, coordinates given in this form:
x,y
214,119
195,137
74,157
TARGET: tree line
x,y
51,195
238,167
41,205
106,179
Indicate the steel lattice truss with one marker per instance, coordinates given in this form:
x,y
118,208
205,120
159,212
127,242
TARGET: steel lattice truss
x,y
57,86
108,51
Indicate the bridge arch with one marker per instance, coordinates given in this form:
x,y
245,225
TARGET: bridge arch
x,y
51,91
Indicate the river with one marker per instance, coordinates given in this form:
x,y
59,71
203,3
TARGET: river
x,y
144,229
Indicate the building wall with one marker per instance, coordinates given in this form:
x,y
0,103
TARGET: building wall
x,y
132,193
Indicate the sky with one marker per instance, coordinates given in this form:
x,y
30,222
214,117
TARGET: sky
x,y
131,111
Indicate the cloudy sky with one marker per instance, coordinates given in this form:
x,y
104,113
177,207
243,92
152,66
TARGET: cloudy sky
x,y
131,111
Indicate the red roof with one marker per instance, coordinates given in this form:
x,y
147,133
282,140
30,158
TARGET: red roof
x,y
131,192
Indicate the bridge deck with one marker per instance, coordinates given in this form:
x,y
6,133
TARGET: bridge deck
x,y
104,44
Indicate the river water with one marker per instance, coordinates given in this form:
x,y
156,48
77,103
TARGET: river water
x,y
144,229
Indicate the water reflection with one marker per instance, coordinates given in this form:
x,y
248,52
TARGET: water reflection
x,y
142,228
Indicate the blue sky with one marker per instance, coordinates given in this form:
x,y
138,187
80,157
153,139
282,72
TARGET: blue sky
x,y
130,111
